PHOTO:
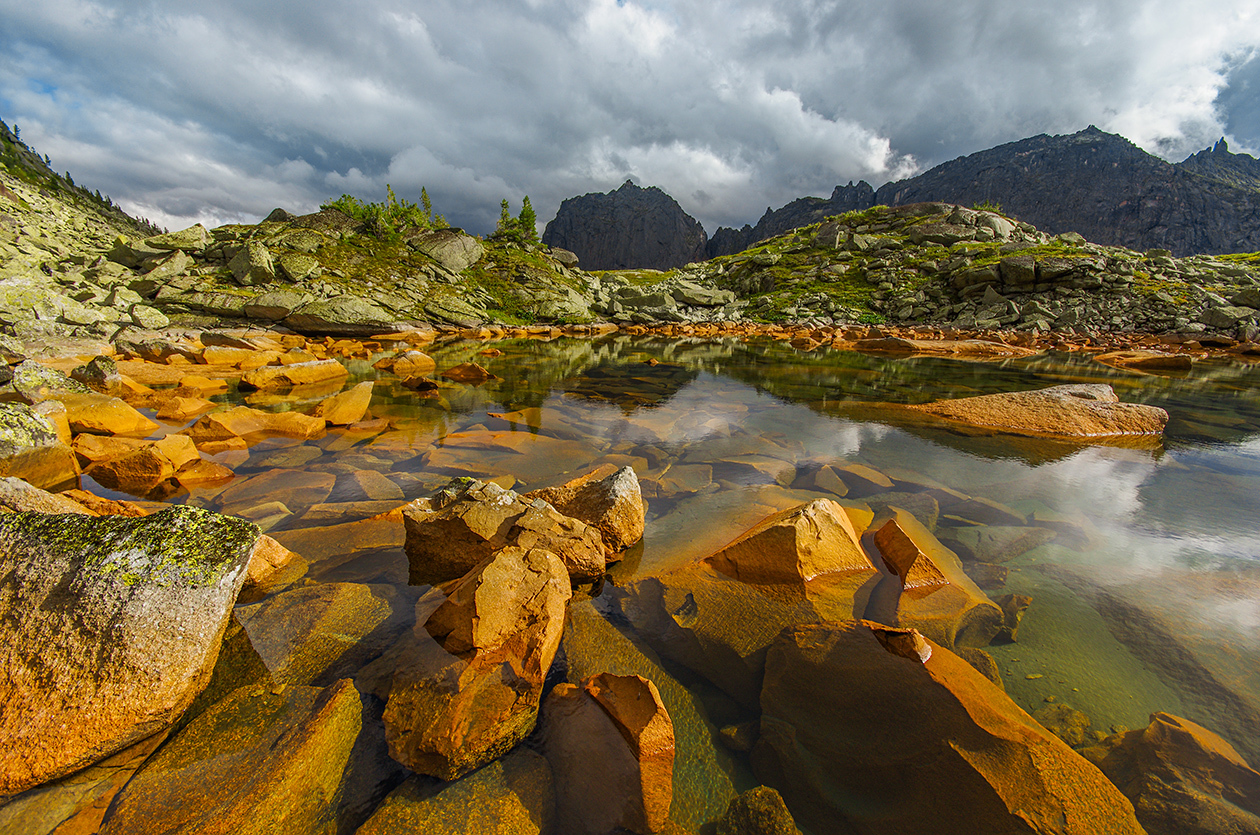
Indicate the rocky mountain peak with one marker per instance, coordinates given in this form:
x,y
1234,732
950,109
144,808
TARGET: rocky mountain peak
x,y
629,228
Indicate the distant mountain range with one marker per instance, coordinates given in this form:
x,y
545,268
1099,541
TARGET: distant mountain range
x,y
1095,183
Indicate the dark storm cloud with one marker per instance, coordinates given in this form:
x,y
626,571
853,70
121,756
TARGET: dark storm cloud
x,y
186,111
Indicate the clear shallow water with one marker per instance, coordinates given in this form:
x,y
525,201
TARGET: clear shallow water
x,y
1149,602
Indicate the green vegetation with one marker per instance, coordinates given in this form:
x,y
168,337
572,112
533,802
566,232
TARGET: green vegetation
x,y
988,206
522,229
392,218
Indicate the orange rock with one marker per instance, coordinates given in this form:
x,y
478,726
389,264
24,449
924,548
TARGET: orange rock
x,y
939,599
138,473
1077,410
346,408
915,745
1145,360
608,499
472,690
294,488
903,558
201,473
794,546
54,413
1182,778
578,545
408,364
238,357
179,450
244,422
271,566
180,409
195,385
469,372
100,414
621,723
102,506
92,449
298,374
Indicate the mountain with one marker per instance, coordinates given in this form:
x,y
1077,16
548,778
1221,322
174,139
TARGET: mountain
x,y
1095,183
801,212
630,228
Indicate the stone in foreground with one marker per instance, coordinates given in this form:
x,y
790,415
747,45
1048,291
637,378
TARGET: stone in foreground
x,y
794,546
1182,778
470,691
759,811
1082,410
620,723
257,762
867,729
111,628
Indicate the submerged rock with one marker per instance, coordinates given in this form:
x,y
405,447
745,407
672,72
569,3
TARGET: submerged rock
x,y
470,691
620,723
794,546
112,627
759,811
1182,778
513,795
868,736
1078,410
297,374
256,762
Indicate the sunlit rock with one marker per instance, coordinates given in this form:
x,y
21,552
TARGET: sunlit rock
x,y
938,599
1182,778
253,424
863,736
100,414
113,626
620,723
1076,410
21,496
468,520
289,376
794,546
471,696
608,499
280,773
347,407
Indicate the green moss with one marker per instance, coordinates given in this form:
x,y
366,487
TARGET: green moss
x,y
178,546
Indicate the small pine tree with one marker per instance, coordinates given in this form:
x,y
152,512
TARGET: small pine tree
x,y
17,132
426,204
527,223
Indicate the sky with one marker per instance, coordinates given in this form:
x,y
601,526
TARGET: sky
x,y
219,112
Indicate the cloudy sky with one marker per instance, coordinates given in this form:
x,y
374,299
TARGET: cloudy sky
x,y
221,111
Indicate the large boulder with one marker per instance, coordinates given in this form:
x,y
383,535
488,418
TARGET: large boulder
x,y
608,499
347,407
1182,778
468,520
342,316
1076,410
112,626
451,248
620,723
100,414
261,761
471,689
870,729
31,449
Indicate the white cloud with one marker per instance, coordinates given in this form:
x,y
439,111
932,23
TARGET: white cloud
x,y
729,106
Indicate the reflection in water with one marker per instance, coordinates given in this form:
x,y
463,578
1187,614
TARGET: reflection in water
x,y
1147,599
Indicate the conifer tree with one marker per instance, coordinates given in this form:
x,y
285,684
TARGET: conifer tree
x,y
527,223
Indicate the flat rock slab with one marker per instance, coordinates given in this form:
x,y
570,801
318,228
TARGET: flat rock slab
x,y
1084,410
111,626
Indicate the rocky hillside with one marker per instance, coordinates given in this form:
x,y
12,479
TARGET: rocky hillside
x,y
1094,183
70,271
629,228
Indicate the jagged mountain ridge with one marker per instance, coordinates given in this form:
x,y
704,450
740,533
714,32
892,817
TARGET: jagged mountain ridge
x,y
1092,182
